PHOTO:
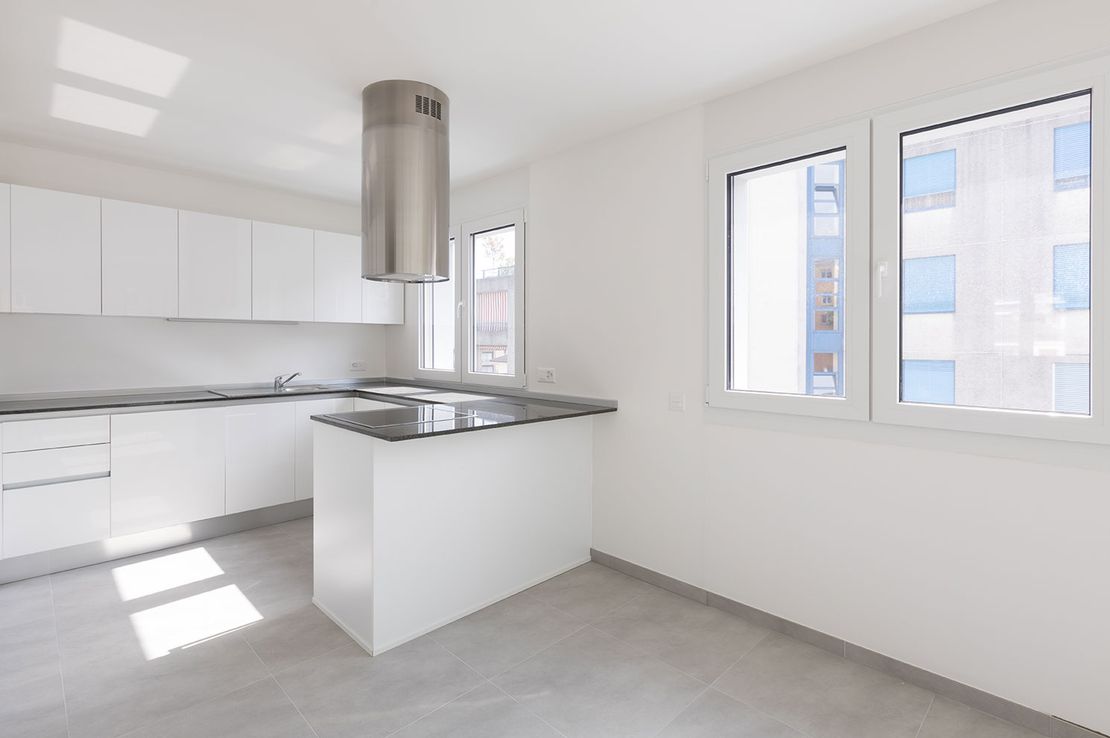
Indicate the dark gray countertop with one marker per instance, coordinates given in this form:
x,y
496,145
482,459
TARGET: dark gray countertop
x,y
404,424
406,421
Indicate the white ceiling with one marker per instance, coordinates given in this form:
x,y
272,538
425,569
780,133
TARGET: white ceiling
x,y
268,91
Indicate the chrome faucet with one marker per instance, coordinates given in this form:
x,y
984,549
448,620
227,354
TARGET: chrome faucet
x,y
281,380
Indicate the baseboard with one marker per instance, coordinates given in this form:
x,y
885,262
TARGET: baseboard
x,y
1026,717
120,547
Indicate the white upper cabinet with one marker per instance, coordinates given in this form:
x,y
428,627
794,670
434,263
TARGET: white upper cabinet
x,y
383,302
282,272
338,278
55,252
5,248
138,259
214,261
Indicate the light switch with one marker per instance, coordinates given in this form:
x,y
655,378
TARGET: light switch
x,y
676,401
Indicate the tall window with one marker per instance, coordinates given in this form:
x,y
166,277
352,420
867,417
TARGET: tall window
x,y
438,330
494,278
1013,332
792,234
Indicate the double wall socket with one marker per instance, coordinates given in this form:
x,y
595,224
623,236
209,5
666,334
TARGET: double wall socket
x,y
545,374
358,365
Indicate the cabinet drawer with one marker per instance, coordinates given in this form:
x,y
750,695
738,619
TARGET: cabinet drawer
x,y
56,464
30,435
55,515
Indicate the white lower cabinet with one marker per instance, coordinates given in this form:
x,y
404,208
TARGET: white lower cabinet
x,y
260,444
303,458
55,515
167,468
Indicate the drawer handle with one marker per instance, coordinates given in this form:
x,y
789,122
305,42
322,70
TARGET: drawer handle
x,y
56,480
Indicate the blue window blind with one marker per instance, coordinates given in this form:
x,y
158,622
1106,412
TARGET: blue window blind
x,y
1071,388
1071,276
929,381
929,173
1072,156
929,285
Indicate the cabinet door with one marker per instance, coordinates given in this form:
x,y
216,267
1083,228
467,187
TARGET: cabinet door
x,y
5,248
55,252
282,272
167,468
383,302
55,515
338,279
138,259
259,455
214,260
303,463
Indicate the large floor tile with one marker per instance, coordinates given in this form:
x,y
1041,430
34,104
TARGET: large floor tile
x,y
284,640
824,695
28,651
506,633
114,700
260,710
346,692
701,641
713,715
29,599
34,708
948,719
589,591
591,684
485,712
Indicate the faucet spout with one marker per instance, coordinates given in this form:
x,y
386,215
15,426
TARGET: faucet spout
x,y
281,380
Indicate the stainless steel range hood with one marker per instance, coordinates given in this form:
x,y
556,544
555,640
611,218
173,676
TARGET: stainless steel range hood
x,y
405,182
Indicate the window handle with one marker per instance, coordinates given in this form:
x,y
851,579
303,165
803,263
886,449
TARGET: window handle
x,y
881,270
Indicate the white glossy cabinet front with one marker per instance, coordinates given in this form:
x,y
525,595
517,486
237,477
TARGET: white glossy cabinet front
x,y
167,468
5,248
303,462
383,302
282,272
55,252
214,262
260,445
138,259
55,515
338,278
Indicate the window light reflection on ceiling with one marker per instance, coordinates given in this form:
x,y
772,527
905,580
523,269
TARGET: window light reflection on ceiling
x,y
291,158
110,57
101,111
338,129
164,573
192,620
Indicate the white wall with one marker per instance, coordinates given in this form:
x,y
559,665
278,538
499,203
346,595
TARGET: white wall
x,y
979,557
50,353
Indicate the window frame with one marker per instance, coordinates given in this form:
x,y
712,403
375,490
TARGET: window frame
x,y
855,138
888,213
464,263
443,375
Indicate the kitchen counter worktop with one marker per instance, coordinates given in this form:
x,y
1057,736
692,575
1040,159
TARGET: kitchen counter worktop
x,y
457,416
490,410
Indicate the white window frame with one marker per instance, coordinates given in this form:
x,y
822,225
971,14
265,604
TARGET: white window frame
x,y
886,357
443,375
855,138
464,264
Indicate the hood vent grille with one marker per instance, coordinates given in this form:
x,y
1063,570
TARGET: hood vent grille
x,y
429,106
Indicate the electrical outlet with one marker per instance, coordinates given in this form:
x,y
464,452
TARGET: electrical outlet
x,y
676,401
359,365
545,374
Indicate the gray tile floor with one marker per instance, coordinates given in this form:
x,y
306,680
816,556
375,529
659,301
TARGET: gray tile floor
x,y
219,639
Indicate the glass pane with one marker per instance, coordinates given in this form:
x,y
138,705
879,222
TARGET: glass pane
x,y
493,332
996,279
437,325
786,284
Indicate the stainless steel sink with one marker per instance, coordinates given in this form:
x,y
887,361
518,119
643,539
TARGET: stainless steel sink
x,y
269,391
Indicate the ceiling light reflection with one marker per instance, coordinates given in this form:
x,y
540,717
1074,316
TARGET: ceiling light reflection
x,y
101,111
110,57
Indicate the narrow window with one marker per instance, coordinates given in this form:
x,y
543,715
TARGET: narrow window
x,y
493,301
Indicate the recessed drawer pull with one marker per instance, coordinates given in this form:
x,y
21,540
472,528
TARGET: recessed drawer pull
x,y
33,435
56,463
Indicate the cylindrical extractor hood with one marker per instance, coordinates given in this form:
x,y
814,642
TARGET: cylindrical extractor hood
x,y
405,182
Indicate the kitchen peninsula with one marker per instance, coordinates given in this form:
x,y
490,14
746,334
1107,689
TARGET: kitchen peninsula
x,y
428,511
